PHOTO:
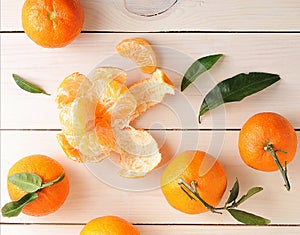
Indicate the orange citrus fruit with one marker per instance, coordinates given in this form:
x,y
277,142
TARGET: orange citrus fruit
x,y
263,129
85,113
50,198
109,225
52,23
140,51
95,115
204,170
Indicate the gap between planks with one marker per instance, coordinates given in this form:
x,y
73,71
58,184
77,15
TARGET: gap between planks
x,y
177,31
162,224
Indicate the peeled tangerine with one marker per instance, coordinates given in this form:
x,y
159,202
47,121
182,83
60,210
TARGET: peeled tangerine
x,y
95,115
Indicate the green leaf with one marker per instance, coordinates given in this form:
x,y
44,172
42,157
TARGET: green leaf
x,y
234,192
27,86
28,182
236,89
197,68
12,209
248,218
249,194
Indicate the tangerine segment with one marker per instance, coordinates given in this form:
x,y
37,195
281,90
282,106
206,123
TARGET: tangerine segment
x,y
69,150
139,152
140,51
122,111
68,89
52,23
103,127
97,120
80,132
198,166
150,92
110,73
86,121
264,128
50,198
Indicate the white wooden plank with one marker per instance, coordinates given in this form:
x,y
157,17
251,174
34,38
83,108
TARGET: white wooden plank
x,y
228,15
90,198
275,53
153,230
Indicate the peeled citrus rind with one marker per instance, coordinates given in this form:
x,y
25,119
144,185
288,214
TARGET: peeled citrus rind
x,y
140,51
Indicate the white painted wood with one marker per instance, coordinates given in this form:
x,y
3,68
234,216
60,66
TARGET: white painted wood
x,y
152,230
274,53
90,197
194,15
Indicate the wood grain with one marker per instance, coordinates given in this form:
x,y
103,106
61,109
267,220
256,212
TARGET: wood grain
x,y
91,197
274,53
253,35
187,15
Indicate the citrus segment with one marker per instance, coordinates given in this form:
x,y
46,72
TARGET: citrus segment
x,y
140,51
95,116
86,118
150,92
69,150
68,89
123,109
110,73
139,152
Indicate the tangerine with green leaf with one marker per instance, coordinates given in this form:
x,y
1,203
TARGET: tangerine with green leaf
x,y
194,166
23,179
194,182
268,142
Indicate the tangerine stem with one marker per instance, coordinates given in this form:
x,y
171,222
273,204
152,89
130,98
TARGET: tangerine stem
x,y
194,191
269,147
52,15
57,180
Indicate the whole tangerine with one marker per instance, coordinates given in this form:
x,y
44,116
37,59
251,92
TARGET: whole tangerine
x,y
194,166
52,23
263,138
49,199
107,225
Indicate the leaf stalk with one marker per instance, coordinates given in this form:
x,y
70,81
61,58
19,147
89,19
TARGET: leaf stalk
x,y
283,170
247,218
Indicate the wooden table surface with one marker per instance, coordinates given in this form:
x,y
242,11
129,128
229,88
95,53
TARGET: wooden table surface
x,y
253,35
